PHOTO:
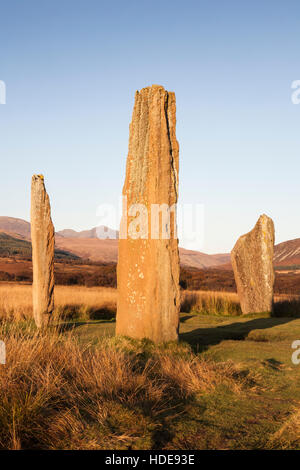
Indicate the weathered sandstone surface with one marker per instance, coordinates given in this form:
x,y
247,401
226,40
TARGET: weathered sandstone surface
x,y
252,261
42,237
148,261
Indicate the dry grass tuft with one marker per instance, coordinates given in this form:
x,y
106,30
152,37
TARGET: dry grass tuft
x,y
195,375
57,394
288,436
210,303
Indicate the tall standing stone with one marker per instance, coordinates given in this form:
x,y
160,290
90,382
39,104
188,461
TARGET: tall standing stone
x,y
148,263
252,261
42,238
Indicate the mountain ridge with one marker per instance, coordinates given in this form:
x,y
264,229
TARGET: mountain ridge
x,y
87,245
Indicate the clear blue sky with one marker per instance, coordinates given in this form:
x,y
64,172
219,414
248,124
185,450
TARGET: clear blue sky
x,y
72,67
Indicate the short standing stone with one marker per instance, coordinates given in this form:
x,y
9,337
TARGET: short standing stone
x,y
148,263
42,237
252,261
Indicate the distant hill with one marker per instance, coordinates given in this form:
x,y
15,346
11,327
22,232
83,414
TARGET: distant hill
x,y
90,248
107,251
287,253
21,228
100,232
196,259
11,246
87,244
15,226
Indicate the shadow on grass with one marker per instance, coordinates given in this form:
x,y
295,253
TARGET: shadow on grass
x,y
201,338
185,318
287,308
72,325
273,363
82,312
70,317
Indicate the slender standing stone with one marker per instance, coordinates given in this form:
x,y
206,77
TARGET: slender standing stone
x,y
148,268
42,238
252,261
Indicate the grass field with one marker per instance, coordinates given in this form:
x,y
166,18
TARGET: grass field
x,y
95,303
229,383
71,302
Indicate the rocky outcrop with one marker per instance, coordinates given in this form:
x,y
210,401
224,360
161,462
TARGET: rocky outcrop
x,y
252,261
148,262
42,237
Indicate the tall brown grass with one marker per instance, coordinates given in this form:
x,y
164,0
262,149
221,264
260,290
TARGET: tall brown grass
x,y
227,303
74,302
70,301
58,394
210,303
